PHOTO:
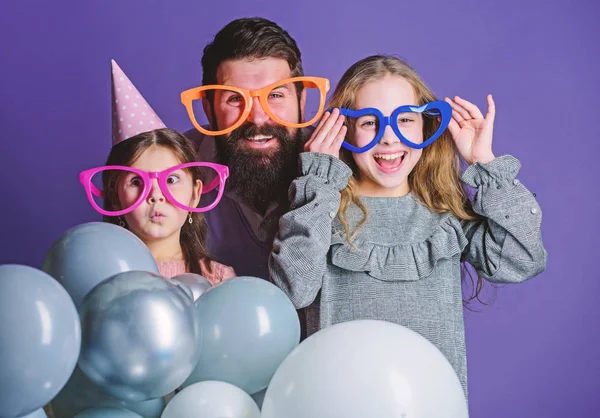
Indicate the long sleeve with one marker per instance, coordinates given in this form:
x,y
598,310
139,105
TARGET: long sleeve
x,y
505,246
299,257
215,272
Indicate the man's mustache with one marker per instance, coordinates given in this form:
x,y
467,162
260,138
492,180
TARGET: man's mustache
x,y
249,130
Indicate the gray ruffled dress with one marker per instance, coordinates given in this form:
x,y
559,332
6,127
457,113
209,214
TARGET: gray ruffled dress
x,y
406,264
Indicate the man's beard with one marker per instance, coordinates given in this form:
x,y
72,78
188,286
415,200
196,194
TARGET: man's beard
x,y
260,177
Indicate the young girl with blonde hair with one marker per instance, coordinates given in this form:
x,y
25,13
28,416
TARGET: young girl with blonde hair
x,y
380,229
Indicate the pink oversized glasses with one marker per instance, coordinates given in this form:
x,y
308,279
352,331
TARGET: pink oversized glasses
x,y
213,176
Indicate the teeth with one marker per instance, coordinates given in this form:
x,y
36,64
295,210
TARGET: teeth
x,y
389,156
259,138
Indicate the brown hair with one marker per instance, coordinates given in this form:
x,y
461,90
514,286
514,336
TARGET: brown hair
x,y
435,180
250,38
193,236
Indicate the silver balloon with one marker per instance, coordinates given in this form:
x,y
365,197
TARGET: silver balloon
x,y
140,336
184,288
196,283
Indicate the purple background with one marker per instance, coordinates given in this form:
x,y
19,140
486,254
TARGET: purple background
x,y
534,351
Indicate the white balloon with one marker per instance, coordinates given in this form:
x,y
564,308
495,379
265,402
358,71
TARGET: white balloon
x,y
211,399
365,368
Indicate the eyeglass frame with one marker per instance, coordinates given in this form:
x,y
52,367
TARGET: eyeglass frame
x,y
85,178
196,93
444,112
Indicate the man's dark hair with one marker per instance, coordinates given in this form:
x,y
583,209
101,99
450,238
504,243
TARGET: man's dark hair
x,y
250,38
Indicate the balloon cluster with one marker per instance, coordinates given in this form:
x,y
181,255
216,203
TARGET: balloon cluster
x,y
98,333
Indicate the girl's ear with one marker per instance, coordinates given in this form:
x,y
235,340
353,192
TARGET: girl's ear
x,y
197,192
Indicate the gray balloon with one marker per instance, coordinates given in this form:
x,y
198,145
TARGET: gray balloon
x,y
107,413
196,283
249,326
80,394
89,253
259,397
140,336
40,338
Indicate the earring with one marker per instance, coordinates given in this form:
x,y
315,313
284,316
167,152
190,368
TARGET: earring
x,y
122,223
190,220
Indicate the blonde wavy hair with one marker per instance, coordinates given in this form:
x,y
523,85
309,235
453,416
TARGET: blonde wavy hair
x,y
435,180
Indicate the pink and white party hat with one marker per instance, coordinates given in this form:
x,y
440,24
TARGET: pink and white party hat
x,y
131,114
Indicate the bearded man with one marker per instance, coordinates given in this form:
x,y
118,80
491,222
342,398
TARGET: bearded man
x,y
254,125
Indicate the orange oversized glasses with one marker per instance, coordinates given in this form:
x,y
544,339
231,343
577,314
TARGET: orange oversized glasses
x,y
235,104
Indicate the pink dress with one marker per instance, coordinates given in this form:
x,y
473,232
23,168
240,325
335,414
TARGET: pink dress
x,y
217,273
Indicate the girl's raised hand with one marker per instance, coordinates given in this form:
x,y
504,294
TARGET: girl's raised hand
x,y
329,134
472,133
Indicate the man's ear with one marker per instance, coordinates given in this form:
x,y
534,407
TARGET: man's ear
x,y
302,105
